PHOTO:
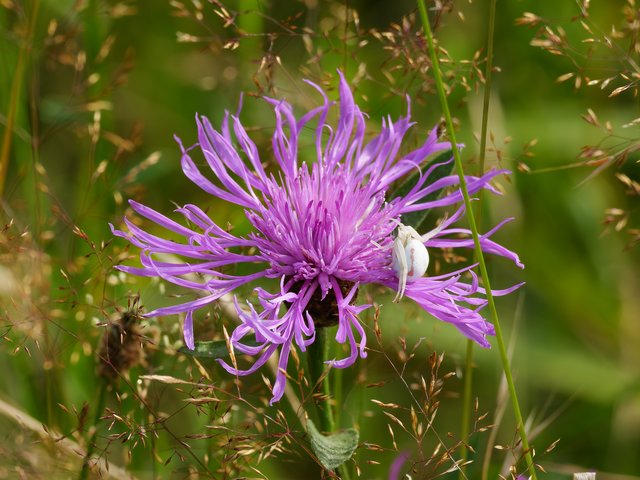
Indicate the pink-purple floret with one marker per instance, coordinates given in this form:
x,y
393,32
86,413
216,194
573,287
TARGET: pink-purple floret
x,y
316,227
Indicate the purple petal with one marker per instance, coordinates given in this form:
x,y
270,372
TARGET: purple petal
x,y
188,331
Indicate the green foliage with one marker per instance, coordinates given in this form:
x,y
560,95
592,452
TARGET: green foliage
x,y
445,168
334,449
213,349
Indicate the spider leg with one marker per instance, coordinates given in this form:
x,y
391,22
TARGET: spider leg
x,y
401,268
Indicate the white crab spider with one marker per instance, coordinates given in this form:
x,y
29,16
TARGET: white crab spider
x,y
410,257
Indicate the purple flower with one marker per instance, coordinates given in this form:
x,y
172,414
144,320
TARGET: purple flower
x,y
395,470
323,229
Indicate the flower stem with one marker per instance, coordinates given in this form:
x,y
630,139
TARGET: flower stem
x,y
318,353
476,240
468,371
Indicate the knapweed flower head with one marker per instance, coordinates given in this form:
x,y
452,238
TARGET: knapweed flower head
x,y
323,229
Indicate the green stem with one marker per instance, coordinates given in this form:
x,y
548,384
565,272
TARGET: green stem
x,y
487,87
476,240
14,98
318,353
102,400
468,371
93,34
337,393
466,406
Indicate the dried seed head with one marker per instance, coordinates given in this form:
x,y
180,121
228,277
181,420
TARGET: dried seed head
x,y
120,347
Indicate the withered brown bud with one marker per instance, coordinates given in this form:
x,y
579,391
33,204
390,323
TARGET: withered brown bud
x,y
120,348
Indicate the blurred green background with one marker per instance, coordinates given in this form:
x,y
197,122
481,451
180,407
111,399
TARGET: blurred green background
x,y
104,87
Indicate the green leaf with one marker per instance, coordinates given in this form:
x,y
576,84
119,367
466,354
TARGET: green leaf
x,y
215,349
417,219
335,449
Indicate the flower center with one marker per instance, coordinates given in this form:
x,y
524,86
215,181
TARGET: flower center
x,y
305,271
